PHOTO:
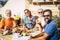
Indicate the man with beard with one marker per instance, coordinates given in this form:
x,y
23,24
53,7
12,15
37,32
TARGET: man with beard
x,y
50,30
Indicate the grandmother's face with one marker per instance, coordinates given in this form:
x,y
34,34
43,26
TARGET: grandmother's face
x,y
40,13
8,13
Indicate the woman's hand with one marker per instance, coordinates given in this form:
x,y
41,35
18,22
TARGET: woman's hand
x,y
29,18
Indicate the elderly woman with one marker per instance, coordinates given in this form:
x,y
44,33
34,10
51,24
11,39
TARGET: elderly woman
x,y
40,24
41,20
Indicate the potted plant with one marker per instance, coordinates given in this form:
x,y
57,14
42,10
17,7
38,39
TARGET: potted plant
x,y
57,20
0,17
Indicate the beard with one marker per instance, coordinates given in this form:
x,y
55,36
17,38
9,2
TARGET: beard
x,y
46,20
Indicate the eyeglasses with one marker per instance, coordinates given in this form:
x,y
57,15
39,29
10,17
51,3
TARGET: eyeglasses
x,y
26,11
40,12
46,15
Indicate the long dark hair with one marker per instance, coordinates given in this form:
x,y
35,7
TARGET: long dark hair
x,y
28,11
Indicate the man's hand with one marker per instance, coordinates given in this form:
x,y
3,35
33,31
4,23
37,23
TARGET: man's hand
x,y
37,39
2,30
41,38
44,37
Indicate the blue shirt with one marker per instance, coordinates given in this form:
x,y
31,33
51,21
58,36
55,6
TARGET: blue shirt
x,y
52,30
28,23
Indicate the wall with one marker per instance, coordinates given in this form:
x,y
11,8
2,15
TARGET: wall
x,y
34,8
